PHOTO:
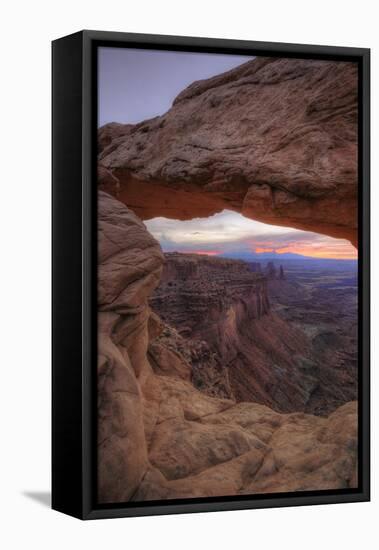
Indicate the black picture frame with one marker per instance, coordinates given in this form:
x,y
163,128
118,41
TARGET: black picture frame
x,y
74,88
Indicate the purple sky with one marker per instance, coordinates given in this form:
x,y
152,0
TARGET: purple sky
x,y
228,232
135,85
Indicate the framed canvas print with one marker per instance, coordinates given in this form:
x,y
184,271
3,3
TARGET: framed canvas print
x,y
210,274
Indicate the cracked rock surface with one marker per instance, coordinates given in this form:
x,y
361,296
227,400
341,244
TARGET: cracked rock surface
x,y
274,139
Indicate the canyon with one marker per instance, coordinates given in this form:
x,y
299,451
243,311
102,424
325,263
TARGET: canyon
x,y
255,334
160,436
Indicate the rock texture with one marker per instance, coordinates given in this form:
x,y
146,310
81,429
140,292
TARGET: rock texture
x,y
130,263
222,310
161,438
323,305
275,139
198,293
284,352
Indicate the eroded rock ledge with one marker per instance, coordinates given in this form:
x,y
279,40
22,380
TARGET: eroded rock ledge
x,y
158,436
275,139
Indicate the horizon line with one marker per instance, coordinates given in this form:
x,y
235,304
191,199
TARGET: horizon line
x,y
258,255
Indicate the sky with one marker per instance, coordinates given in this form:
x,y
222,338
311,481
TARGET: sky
x,y
230,232
136,85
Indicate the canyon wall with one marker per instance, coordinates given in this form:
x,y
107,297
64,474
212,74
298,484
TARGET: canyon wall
x,y
208,300
274,139
161,438
225,306
206,296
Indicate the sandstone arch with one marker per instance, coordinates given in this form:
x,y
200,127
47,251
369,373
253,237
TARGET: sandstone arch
x,y
274,139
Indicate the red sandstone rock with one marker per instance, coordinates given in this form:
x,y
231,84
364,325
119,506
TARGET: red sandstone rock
x,y
159,437
222,306
275,139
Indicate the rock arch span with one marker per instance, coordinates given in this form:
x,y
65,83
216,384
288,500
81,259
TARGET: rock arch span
x,y
274,139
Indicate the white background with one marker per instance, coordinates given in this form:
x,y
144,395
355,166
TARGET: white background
x,y
26,31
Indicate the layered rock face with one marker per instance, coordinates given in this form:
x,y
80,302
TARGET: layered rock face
x,y
275,139
223,306
205,296
208,300
161,438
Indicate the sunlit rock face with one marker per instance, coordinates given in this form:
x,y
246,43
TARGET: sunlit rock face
x,y
274,139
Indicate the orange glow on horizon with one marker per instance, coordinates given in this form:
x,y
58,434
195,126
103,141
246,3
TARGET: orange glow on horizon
x,y
327,252
206,252
340,251
261,249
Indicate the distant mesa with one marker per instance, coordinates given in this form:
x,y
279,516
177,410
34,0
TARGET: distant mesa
x,y
255,267
271,270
